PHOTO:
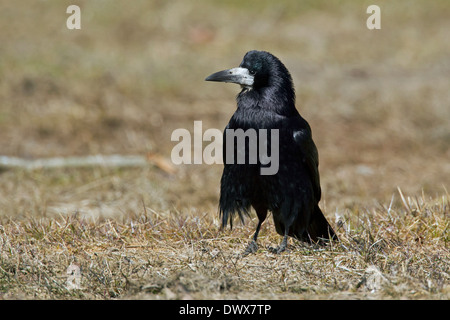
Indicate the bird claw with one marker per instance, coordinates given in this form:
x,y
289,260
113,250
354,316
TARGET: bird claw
x,y
277,250
251,248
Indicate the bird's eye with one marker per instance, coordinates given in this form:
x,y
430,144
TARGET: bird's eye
x,y
252,72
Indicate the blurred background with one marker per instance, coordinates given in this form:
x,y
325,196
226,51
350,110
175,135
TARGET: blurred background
x,y
378,101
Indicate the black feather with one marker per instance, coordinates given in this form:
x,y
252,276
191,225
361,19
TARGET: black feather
x,y
293,193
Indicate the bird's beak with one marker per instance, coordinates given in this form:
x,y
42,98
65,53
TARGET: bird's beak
x,y
236,75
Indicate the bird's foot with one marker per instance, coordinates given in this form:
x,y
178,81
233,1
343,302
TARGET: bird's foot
x,y
281,248
277,250
251,248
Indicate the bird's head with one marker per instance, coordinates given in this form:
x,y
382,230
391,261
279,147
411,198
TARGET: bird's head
x,y
258,69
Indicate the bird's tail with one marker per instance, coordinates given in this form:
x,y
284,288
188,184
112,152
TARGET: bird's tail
x,y
319,230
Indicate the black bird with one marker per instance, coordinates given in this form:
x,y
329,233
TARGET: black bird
x,y
292,194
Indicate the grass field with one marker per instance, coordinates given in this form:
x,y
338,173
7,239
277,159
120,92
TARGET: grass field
x,y
378,102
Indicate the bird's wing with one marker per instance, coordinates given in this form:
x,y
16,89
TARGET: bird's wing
x,y
309,156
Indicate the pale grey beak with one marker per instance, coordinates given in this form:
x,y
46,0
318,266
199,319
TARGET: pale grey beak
x,y
236,75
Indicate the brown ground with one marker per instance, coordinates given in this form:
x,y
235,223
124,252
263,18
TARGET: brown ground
x,y
378,103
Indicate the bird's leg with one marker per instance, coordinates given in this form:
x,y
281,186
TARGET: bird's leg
x,y
253,246
261,212
283,245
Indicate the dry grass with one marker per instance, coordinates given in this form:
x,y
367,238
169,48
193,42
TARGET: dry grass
x,y
385,252
378,103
